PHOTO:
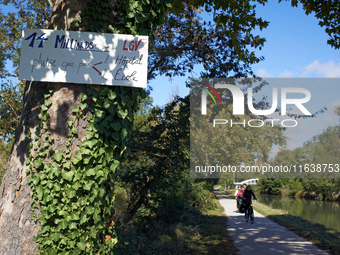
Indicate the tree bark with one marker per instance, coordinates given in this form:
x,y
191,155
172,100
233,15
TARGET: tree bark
x,y
16,226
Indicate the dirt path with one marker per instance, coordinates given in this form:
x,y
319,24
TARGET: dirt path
x,y
264,236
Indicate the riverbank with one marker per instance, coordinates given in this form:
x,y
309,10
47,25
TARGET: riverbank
x,y
326,239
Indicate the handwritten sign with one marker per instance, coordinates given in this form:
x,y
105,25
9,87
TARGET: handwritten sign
x,y
82,57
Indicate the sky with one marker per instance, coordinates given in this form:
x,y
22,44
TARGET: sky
x,y
296,47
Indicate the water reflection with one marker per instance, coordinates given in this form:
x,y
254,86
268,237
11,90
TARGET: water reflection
x,y
325,213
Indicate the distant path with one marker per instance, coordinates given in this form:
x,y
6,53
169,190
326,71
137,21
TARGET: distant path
x,y
264,236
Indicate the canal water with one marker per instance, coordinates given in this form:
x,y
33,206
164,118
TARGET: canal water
x,y
324,213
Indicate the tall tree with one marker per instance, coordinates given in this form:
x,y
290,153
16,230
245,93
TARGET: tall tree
x,y
68,144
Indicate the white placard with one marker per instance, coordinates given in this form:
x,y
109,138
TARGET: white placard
x,y
82,57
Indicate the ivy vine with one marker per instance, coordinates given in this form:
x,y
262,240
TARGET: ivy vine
x,y
73,195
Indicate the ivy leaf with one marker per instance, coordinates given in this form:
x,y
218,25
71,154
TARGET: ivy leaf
x,y
85,151
49,250
93,233
73,234
77,176
81,245
76,185
40,192
55,236
71,193
112,95
114,166
124,133
37,163
83,218
99,173
83,96
48,103
68,175
75,216
67,165
75,109
73,225
90,172
122,113
56,187
89,134
75,160
82,106
116,126
87,186
107,103
51,208
63,224
58,156
27,162
89,143
116,136
131,15
70,123
100,114
74,131
44,108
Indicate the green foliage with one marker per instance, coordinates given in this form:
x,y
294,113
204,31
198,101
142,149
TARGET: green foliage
x,y
158,165
10,109
271,186
224,47
75,197
321,149
21,15
12,22
327,14
129,17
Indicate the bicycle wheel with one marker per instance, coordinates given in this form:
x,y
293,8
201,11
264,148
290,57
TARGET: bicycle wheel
x,y
251,215
246,215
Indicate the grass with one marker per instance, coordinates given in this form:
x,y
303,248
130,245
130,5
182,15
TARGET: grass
x,y
326,239
230,193
195,231
199,231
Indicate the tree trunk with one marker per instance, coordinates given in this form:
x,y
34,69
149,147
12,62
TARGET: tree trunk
x,y
16,226
77,211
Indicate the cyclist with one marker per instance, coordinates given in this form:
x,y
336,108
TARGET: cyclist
x,y
248,193
238,196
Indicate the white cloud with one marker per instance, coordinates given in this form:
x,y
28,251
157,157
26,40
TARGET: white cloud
x,y
329,69
315,69
263,73
286,74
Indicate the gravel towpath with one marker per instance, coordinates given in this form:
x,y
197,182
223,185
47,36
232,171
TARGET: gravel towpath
x,y
264,236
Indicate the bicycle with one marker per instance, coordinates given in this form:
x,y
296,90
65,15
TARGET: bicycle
x,y
249,213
